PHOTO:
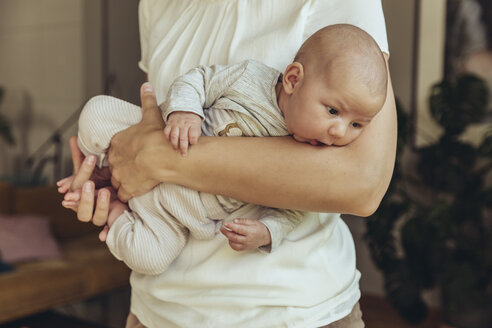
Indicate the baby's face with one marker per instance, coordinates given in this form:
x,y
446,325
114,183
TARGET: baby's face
x,y
329,110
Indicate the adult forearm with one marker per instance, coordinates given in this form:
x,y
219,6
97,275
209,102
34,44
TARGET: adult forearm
x,y
280,172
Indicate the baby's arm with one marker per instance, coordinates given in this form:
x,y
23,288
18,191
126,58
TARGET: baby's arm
x,y
189,95
266,234
183,129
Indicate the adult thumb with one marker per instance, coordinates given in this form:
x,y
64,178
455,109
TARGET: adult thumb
x,y
150,111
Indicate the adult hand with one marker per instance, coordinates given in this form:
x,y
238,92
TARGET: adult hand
x,y
79,189
131,151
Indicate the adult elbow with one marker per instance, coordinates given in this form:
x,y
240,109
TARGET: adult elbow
x,y
368,208
369,199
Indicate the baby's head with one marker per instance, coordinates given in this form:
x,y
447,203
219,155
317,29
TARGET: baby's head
x,y
335,86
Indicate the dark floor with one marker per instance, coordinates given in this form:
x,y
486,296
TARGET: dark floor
x,y
377,313
50,320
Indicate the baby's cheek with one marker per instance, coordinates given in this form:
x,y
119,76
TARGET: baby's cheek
x,y
348,138
356,134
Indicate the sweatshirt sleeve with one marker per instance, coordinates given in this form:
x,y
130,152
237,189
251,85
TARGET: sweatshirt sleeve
x,y
200,88
144,31
279,223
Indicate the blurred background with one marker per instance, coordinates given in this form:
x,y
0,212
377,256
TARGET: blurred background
x,y
424,252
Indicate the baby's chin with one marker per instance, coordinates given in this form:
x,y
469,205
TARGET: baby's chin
x,y
342,143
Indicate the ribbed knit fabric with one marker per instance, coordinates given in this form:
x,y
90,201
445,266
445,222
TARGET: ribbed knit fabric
x,y
240,100
101,118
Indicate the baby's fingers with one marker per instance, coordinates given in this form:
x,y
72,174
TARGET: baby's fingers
x,y
194,133
240,226
174,137
183,141
104,233
64,184
71,205
72,196
232,235
167,132
237,246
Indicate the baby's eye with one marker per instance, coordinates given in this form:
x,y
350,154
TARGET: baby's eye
x,y
332,111
356,125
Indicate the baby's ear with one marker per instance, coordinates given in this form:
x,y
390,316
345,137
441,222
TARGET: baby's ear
x,y
294,73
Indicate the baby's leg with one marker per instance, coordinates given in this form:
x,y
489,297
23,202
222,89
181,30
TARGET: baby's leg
x,y
148,238
101,118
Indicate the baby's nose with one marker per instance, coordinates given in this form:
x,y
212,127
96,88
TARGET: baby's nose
x,y
338,130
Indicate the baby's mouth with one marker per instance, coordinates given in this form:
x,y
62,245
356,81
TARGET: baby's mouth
x,y
312,142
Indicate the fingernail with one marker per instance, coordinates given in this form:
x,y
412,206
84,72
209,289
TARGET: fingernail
x,y
147,87
87,187
104,195
91,160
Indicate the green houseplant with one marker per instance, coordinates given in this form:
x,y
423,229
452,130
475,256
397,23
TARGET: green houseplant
x,y
434,226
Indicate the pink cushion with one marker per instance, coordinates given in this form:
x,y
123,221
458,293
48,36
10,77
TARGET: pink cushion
x,y
26,237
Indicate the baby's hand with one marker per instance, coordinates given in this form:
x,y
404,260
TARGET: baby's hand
x,y
71,198
183,129
65,184
244,234
116,208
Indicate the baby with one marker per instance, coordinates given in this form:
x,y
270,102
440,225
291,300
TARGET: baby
x,y
326,97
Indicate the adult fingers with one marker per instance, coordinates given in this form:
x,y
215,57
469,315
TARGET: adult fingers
x,y
102,208
86,205
84,172
150,110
